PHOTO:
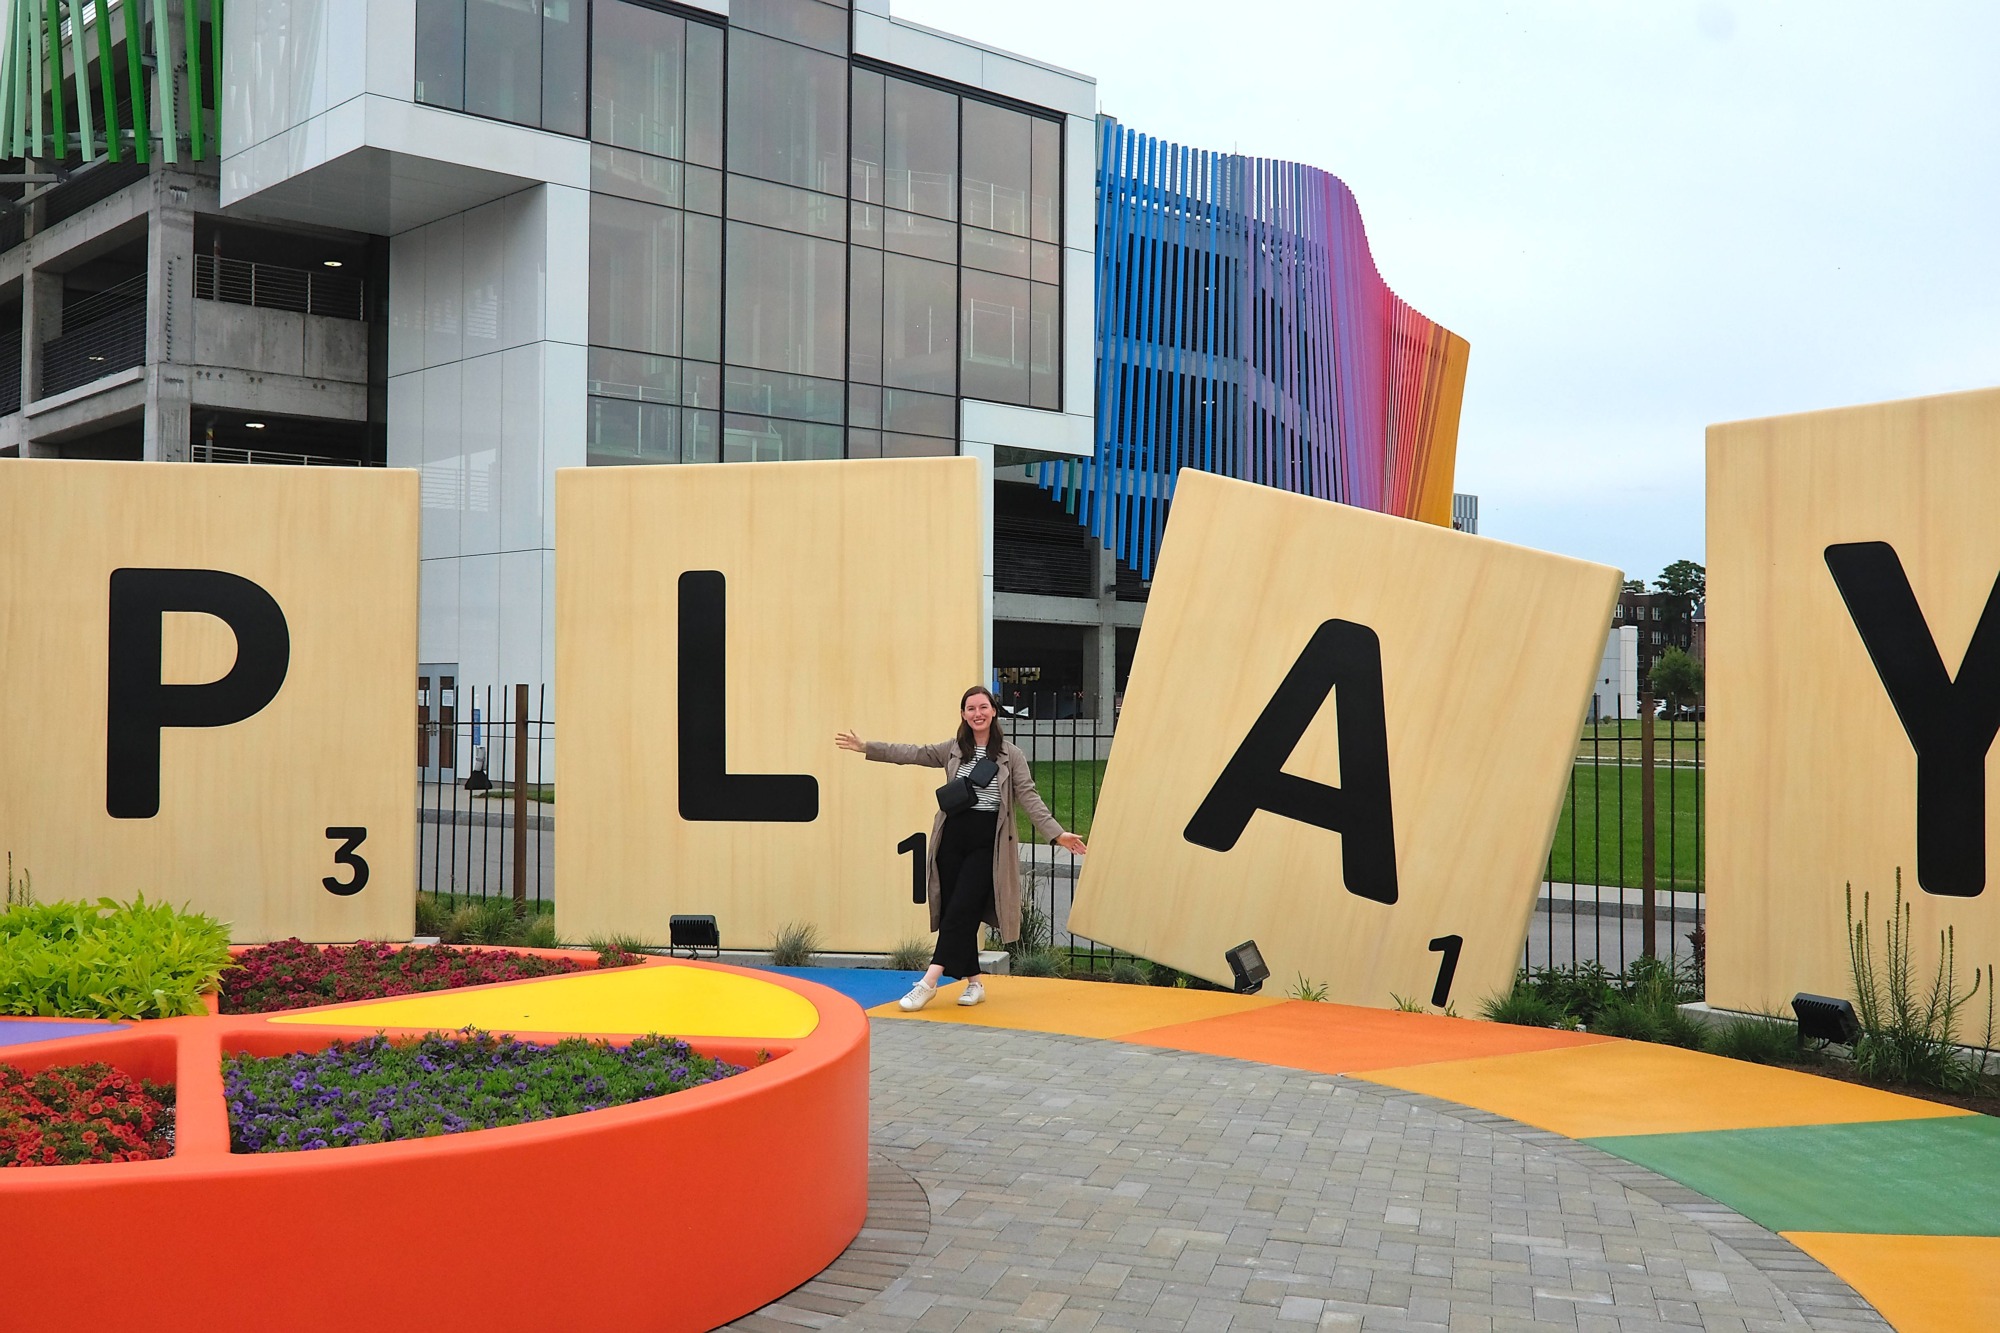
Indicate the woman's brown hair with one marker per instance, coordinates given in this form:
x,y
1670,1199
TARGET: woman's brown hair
x,y
994,738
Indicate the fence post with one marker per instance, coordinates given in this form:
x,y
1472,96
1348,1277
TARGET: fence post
x,y
520,800
1646,822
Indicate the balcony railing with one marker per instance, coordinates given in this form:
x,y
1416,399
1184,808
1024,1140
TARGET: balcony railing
x,y
274,287
222,453
10,368
103,333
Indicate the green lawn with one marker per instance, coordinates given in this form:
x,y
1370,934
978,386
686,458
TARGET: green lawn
x,y
1681,741
1070,787
1591,857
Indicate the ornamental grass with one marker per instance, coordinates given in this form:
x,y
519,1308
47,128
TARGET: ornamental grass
x,y
75,1114
290,974
378,1091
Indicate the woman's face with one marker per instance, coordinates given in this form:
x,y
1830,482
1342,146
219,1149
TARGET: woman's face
x,y
978,713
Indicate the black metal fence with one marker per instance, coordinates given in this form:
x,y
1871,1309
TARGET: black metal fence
x,y
1626,875
1617,885
485,813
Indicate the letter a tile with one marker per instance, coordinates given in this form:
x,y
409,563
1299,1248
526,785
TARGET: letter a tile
x,y
1347,737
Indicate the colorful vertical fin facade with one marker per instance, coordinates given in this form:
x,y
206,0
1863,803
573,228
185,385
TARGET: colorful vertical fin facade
x,y
1242,329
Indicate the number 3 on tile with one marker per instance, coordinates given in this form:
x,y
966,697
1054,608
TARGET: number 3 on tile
x,y
344,855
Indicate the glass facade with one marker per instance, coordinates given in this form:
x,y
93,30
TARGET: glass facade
x,y
830,277
514,60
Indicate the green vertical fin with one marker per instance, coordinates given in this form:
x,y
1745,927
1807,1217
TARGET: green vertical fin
x,y
215,65
86,130
164,81
108,82
55,48
142,148
191,24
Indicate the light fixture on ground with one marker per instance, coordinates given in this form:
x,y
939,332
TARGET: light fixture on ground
x,y
695,934
1246,962
1822,1018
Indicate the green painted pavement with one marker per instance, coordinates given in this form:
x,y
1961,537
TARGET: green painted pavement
x,y
1936,1177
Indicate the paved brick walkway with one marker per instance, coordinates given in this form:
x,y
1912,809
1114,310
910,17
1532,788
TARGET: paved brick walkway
x,y
1077,1184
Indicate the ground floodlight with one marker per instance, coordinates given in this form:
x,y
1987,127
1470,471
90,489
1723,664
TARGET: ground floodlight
x,y
1246,960
695,934
1824,1019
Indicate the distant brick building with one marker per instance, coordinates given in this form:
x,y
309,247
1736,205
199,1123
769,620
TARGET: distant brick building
x,y
1661,622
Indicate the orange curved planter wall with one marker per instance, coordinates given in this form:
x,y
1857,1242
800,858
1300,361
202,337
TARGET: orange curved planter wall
x,y
678,1213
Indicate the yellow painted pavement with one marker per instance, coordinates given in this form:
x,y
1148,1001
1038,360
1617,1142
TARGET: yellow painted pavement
x,y
1920,1284
673,1001
1633,1087
1078,1008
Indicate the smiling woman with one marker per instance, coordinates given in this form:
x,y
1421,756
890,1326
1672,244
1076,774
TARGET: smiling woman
x,y
973,849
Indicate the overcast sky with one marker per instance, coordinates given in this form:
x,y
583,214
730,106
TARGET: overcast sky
x,y
1645,217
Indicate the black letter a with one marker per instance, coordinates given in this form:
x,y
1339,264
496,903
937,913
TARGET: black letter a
x,y
1951,723
1343,655
709,791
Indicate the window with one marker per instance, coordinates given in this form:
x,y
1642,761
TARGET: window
x,y
998,317
783,301
787,113
997,168
635,276
919,324
515,60
1618,611
638,80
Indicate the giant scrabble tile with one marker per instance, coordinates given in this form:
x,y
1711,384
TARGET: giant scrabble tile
x,y
208,674
715,626
1347,737
1854,691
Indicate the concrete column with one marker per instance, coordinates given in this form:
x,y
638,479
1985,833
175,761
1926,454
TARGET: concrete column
x,y
984,453
169,321
41,319
1100,641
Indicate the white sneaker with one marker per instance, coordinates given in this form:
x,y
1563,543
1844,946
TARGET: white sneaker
x,y
974,993
919,996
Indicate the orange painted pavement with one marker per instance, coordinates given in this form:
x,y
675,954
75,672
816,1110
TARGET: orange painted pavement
x,y
1077,1008
1920,1284
1635,1087
1341,1038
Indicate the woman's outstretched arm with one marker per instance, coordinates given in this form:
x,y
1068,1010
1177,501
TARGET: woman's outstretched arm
x,y
1036,809
894,752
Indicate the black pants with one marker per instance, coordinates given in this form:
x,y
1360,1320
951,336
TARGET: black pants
x,y
965,889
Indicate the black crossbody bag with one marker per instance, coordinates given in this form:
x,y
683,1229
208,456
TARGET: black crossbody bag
x,y
962,791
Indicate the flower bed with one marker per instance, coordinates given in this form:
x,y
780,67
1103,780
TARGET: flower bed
x,y
290,974
82,1113
378,1091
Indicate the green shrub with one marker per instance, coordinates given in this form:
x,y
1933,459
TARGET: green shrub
x,y
1305,989
108,959
1525,1006
1128,972
795,944
1039,963
1765,1040
1405,1005
1907,1037
1035,936
912,955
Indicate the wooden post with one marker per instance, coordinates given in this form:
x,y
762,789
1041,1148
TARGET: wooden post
x,y
521,801
1646,820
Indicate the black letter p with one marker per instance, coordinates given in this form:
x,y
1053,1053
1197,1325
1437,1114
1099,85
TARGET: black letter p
x,y
139,706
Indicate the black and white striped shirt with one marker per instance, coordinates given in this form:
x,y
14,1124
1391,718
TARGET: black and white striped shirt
x,y
987,797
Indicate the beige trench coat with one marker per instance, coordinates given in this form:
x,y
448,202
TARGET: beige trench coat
x,y
1017,785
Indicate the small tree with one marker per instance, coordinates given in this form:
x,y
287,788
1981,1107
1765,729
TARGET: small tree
x,y
1635,585
1676,677
1680,584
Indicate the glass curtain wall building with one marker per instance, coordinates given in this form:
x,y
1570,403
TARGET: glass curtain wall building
x,y
628,232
